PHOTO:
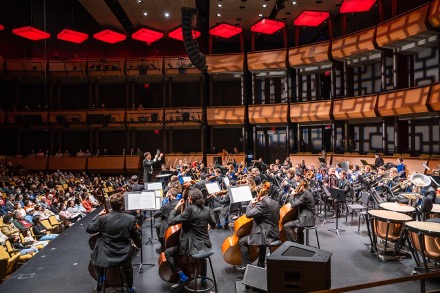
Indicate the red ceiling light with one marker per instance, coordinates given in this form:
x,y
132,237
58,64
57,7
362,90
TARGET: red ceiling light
x,y
109,36
267,26
31,33
178,35
225,30
311,18
1,27
72,36
147,35
350,6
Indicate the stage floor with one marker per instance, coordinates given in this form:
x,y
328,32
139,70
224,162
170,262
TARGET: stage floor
x,y
62,266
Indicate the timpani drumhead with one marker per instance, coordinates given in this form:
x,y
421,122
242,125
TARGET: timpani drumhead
x,y
389,215
397,207
388,224
435,208
430,234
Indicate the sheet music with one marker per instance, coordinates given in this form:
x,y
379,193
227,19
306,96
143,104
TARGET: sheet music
x,y
159,193
186,178
158,202
226,180
212,187
153,186
241,193
145,200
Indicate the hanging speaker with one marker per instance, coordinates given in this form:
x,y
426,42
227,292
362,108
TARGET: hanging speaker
x,y
191,46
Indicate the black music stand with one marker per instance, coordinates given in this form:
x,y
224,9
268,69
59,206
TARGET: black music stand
x,y
141,263
327,195
339,197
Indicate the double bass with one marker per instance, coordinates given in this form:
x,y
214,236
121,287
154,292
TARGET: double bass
x,y
242,227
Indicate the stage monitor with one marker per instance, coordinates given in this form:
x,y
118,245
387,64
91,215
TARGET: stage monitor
x,y
295,267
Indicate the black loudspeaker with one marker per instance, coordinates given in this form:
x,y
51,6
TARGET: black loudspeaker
x,y
255,277
298,268
191,46
154,117
98,119
185,116
60,119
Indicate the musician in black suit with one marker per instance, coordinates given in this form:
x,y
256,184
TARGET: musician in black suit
x,y
194,237
163,213
135,186
148,164
305,203
114,247
378,161
265,213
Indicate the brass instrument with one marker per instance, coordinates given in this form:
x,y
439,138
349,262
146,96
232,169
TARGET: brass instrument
x,y
420,180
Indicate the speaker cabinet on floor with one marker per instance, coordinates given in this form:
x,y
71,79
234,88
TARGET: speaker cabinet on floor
x,y
298,268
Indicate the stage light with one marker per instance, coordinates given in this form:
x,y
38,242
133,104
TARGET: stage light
x,y
31,33
1,27
177,34
225,30
267,26
311,18
72,36
109,36
147,35
350,6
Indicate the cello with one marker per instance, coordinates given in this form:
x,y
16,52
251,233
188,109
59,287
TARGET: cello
x,y
171,239
242,227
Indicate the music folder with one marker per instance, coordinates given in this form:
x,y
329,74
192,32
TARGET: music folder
x,y
145,200
338,194
212,187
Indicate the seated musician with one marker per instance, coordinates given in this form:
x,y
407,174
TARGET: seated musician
x,y
174,183
265,213
378,160
344,185
220,213
381,183
194,237
114,247
305,202
163,213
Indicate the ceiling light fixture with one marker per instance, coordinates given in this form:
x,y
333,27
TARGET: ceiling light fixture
x,y
178,35
219,5
225,30
72,36
109,36
264,5
147,35
1,27
267,26
294,3
145,13
311,18
31,33
349,6
166,14
219,15
138,1
260,15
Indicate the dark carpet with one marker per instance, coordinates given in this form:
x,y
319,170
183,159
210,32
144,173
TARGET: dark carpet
x,y
62,266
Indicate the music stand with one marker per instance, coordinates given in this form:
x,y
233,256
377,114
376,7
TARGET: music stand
x,y
138,201
339,197
322,161
327,195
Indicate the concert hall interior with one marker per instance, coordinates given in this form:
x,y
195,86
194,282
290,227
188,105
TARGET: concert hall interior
x,y
326,111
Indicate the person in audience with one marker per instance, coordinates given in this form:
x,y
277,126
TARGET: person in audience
x,y
80,154
86,203
3,208
58,154
20,222
8,228
87,153
17,245
40,153
66,154
29,240
40,230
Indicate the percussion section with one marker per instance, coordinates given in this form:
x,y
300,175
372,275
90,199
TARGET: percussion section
x,y
397,207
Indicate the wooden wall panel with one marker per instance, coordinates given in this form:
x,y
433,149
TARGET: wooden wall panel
x,y
309,54
173,118
225,115
11,116
229,63
310,111
79,115
434,99
434,164
353,108
260,114
113,164
34,164
267,60
402,27
309,159
132,163
144,117
72,163
353,44
68,68
403,102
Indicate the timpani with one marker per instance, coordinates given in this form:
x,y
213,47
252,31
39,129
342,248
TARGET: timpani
x,y
435,212
397,207
387,225
424,238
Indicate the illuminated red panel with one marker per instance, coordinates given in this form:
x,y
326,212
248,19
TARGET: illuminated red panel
x,y
72,36
109,36
1,27
349,6
225,30
31,33
267,26
178,35
147,35
311,18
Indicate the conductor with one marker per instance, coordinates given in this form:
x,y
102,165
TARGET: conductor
x,y
148,164
114,247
